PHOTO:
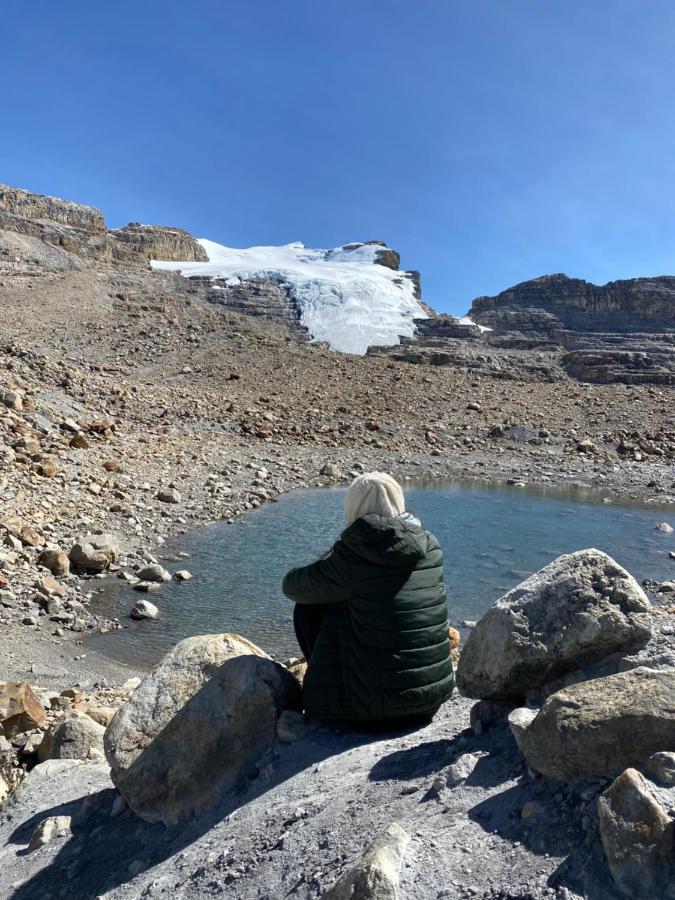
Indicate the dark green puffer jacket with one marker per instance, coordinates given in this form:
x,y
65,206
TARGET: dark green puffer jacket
x,y
383,650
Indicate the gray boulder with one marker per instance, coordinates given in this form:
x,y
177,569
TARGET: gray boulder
x,y
76,737
195,726
154,572
577,610
602,724
376,874
638,837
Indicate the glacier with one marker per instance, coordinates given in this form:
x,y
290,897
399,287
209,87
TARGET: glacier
x,y
344,297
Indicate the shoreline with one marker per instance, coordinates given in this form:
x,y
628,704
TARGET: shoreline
x,y
572,492
81,665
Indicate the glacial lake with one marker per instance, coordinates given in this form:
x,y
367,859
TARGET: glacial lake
x,y
492,538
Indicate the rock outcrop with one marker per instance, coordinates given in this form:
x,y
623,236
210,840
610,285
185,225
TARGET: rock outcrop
x,y
158,242
42,208
556,302
81,229
617,366
575,611
262,298
602,724
623,331
196,725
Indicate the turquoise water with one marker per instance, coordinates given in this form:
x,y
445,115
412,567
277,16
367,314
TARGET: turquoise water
x,y
492,537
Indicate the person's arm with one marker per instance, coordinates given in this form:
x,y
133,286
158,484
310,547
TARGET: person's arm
x,y
323,582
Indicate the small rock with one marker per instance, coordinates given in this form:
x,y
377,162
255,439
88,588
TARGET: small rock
x,y
664,528
376,874
76,737
183,575
48,468
461,769
661,766
637,835
169,495
88,558
291,726
47,830
20,708
44,671
12,400
79,442
520,720
146,587
143,609
56,561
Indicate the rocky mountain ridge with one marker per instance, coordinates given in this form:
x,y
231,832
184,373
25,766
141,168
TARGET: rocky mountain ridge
x,y
555,303
622,331
82,230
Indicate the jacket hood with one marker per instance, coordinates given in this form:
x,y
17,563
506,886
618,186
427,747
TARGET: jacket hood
x,y
395,542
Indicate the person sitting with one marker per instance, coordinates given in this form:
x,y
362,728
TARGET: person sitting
x,y
371,616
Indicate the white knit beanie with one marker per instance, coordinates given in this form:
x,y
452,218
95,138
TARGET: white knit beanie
x,y
373,493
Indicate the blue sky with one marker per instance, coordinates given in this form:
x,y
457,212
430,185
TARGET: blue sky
x,y
488,141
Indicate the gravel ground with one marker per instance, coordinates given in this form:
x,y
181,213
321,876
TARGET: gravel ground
x,y
314,807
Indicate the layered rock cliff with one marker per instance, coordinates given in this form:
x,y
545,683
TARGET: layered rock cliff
x,y
82,230
159,242
622,331
555,303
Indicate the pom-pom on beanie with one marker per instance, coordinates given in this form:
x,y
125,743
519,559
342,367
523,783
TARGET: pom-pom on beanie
x,y
374,493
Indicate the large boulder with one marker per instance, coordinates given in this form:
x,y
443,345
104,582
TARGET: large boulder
x,y
196,725
638,836
603,724
577,610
